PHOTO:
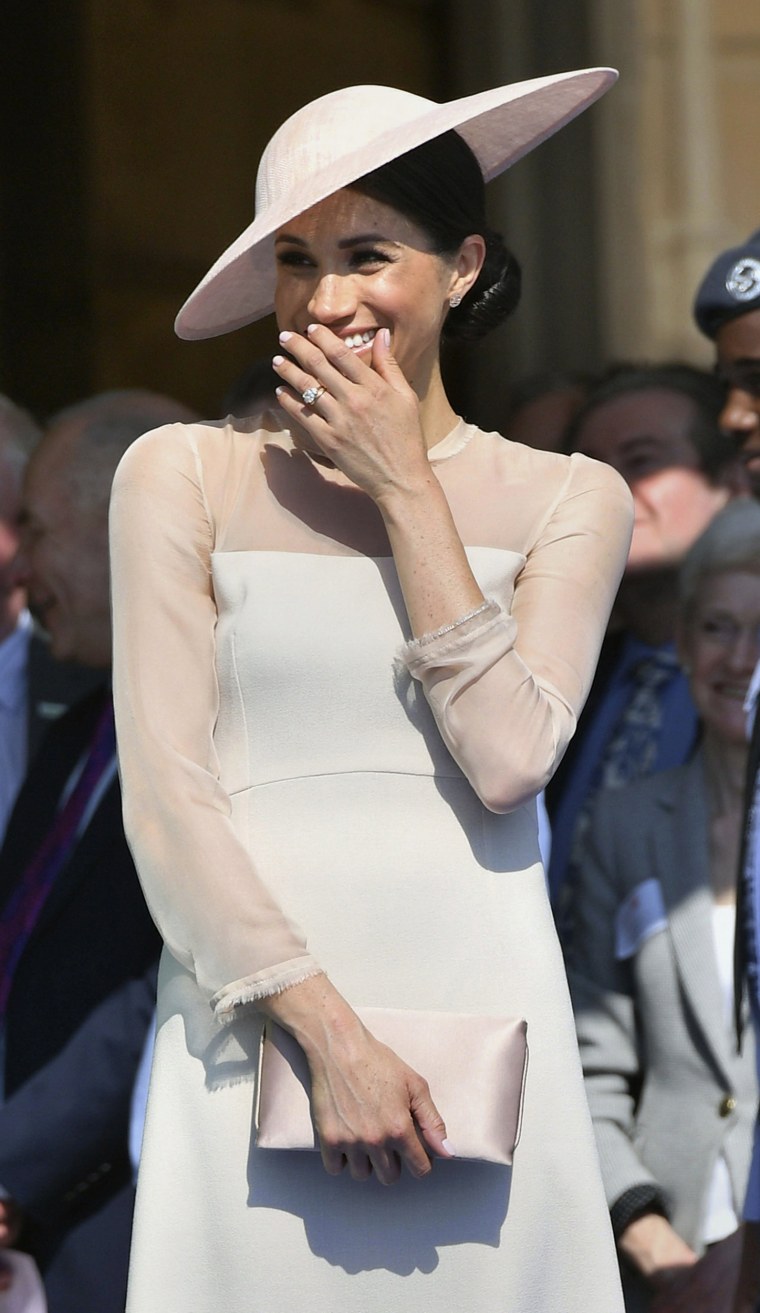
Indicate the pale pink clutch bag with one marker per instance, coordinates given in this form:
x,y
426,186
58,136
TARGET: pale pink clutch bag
x,y
475,1067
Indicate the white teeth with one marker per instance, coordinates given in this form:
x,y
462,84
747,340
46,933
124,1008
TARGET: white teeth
x,y
360,339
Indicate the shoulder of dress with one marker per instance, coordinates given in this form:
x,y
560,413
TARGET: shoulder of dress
x,y
586,471
554,475
203,443
532,462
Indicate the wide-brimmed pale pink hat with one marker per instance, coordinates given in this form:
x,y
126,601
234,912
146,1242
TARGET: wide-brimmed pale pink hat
x,y
338,138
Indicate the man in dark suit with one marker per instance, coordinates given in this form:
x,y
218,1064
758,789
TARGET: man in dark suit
x,y
73,923
63,1139
727,310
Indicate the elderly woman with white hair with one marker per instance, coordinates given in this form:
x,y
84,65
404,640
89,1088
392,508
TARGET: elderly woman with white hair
x,y
651,961
352,637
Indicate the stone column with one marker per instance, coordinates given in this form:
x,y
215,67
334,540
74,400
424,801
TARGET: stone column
x,y
546,206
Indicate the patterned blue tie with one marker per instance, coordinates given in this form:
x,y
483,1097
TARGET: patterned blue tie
x,y
632,750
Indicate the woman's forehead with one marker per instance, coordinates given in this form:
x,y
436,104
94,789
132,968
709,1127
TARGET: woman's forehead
x,y
734,586
348,214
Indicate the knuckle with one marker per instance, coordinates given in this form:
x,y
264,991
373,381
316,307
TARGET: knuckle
x,y
311,357
331,1142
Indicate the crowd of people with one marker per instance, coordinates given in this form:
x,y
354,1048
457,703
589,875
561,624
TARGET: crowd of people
x,y
356,647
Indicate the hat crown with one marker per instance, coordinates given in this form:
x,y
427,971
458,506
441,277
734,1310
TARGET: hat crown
x,y
345,135
731,286
328,130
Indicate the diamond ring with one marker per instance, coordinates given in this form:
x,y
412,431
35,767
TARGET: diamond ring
x,y
312,394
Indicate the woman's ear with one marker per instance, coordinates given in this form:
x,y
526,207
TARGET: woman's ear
x,y
469,262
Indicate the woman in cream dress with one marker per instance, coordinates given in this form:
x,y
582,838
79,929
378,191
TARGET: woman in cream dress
x,y
353,634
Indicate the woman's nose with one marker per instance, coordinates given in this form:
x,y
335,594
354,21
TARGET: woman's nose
x,y
333,298
744,652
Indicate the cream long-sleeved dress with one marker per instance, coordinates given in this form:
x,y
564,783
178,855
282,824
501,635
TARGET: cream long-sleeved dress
x,y
304,791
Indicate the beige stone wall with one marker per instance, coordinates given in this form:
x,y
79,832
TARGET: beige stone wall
x,y
679,175
182,97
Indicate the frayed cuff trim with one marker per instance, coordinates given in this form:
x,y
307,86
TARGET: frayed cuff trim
x,y
452,644
249,990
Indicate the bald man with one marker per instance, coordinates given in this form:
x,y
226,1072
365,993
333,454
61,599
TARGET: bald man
x,y
73,923
34,689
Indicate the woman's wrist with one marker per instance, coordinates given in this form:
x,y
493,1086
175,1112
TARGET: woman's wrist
x,y
416,494
315,1014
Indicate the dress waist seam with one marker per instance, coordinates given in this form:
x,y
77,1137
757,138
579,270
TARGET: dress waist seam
x,y
433,777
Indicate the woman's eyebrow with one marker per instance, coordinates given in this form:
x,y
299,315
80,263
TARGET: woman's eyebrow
x,y
361,240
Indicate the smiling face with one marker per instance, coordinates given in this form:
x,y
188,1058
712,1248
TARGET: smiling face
x,y
738,346
720,645
645,436
63,559
356,265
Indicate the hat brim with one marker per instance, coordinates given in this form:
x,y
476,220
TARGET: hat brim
x,y
500,126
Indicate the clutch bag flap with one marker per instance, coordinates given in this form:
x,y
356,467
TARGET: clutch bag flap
x,y
475,1066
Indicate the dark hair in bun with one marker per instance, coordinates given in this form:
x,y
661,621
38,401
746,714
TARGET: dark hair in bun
x,y
439,187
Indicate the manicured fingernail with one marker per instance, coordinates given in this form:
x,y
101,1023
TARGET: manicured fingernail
x,y
448,1146
285,336
278,360
385,338
312,328
278,391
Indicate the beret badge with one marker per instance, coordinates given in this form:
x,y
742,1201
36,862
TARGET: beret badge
x,y
743,279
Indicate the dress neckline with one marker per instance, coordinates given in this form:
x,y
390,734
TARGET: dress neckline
x,y
454,442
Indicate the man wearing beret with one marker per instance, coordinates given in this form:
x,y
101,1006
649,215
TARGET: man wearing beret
x,y
727,310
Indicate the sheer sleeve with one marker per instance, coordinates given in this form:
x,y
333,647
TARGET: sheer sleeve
x,y
213,910
507,688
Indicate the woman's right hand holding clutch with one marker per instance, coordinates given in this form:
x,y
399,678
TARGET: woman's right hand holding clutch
x,y
367,1104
